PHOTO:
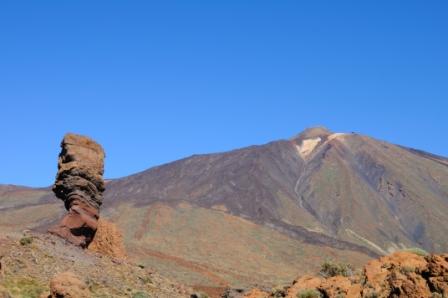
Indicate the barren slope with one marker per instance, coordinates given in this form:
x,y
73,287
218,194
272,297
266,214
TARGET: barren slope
x,y
26,269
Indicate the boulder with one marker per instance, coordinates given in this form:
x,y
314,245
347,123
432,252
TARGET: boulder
x,y
108,240
397,275
257,293
67,285
304,283
437,273
336,286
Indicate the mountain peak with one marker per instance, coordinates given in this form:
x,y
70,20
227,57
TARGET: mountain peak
x,y
313,132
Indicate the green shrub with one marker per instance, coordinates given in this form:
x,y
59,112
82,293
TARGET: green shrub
x,y
23,287
418,251
372,294
26,241
330,269
140,295
309,293
278,292
407,269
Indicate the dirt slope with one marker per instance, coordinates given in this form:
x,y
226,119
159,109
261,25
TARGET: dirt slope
x,y
28,262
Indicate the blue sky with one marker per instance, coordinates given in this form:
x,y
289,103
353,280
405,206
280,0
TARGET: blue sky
x,y
154,81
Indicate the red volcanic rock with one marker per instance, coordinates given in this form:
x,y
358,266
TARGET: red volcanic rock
x,y
256,293
68,285
108,240
437,273
304,283
79,183
399,275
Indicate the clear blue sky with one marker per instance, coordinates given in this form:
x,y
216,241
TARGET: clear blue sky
x,y
154,81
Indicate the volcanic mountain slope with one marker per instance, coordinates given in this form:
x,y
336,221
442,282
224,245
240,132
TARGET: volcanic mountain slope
x,y
346,186
250,215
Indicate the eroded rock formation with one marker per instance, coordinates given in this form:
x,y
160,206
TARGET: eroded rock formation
x,y
400,275
79,183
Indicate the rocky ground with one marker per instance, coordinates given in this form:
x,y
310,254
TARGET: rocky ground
x,y
43,265
30,261
400,275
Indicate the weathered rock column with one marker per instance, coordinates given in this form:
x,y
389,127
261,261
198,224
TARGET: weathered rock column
x,y
79,183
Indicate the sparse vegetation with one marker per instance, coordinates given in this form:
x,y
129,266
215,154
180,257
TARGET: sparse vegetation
x,y
140,295
418,251
93,286
27,269
309,293
363,280
330,269
278,292
145,279
372,294
26,240
407,269
24,287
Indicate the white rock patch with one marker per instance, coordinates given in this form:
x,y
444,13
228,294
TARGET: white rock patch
x,y
336,135
308,146
359,237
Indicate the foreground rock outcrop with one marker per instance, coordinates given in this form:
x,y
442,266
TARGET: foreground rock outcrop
x,y
79,183
68,285
38,265
108,240
400,275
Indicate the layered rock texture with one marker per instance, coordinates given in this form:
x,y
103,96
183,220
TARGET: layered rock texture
x,y
79,183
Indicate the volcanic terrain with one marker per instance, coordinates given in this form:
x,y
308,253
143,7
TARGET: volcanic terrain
x,y
267,213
